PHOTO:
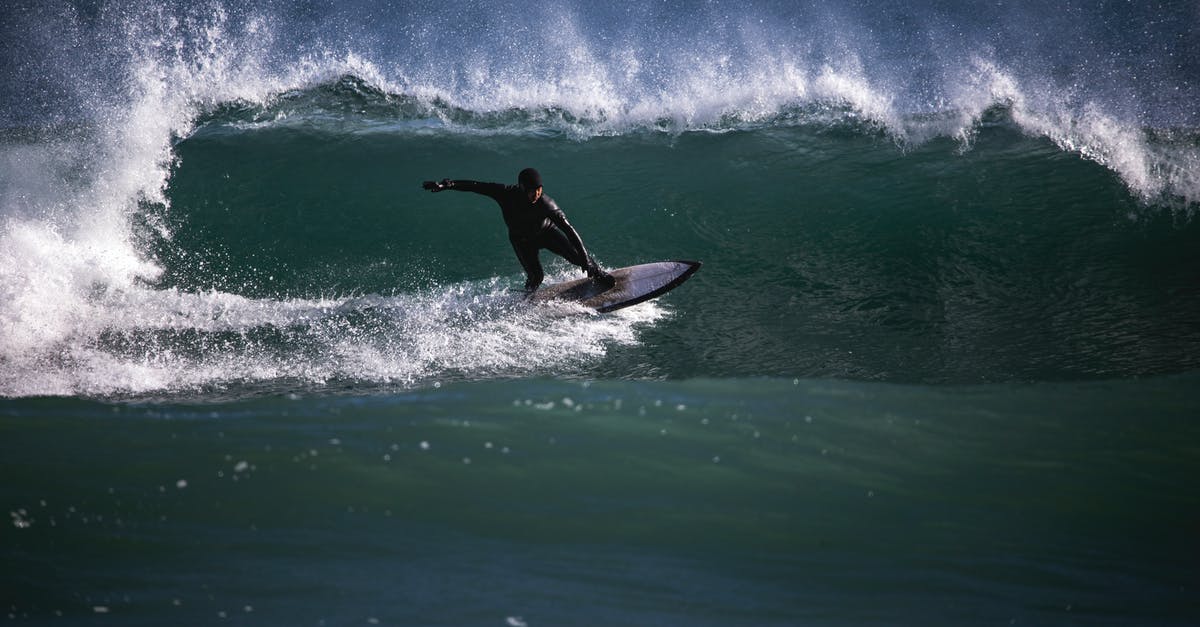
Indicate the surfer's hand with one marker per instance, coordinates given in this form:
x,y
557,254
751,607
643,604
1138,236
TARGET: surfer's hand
x,y
436,187
594,270
597,274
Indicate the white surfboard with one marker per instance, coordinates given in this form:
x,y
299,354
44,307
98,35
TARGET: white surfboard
x,y
634,284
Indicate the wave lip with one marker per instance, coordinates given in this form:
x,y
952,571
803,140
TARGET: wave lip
x,y
1159,166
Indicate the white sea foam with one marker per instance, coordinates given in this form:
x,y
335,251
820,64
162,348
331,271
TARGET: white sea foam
x,y
1154,172
628,90
141,340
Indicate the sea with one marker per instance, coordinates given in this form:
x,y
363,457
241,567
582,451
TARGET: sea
x,y
941,365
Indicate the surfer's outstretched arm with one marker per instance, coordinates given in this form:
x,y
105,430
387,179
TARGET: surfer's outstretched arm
x,y
492,190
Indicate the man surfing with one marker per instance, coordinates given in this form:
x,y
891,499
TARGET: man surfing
x,y
534,222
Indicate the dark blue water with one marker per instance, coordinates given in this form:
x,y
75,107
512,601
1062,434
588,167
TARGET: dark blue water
x,y
939,365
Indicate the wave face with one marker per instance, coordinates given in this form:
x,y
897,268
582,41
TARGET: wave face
x,y
219,198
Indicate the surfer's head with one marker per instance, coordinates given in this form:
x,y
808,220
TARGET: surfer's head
x,y
531,183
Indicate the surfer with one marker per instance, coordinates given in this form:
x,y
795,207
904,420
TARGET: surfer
x,y
534,222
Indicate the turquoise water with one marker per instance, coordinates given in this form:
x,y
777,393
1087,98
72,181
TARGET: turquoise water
x,y
939,366
741,501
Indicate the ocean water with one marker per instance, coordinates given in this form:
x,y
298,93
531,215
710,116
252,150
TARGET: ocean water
x,y
941,365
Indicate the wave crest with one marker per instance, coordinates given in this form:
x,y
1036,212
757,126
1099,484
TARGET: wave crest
x,y
1159,166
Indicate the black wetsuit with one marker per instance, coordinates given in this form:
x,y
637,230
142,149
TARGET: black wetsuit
x,y
532,227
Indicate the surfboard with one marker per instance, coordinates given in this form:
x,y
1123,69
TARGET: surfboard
x,y
634,284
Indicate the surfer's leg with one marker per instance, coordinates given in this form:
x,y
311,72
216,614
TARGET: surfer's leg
x,y
527,254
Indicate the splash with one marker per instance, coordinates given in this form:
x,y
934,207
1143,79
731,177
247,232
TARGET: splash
x,y
139,342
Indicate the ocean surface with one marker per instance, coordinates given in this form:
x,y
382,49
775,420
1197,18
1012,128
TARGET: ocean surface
x,y
941,364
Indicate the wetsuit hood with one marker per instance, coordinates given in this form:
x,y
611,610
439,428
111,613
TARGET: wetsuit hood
x,y
529,178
